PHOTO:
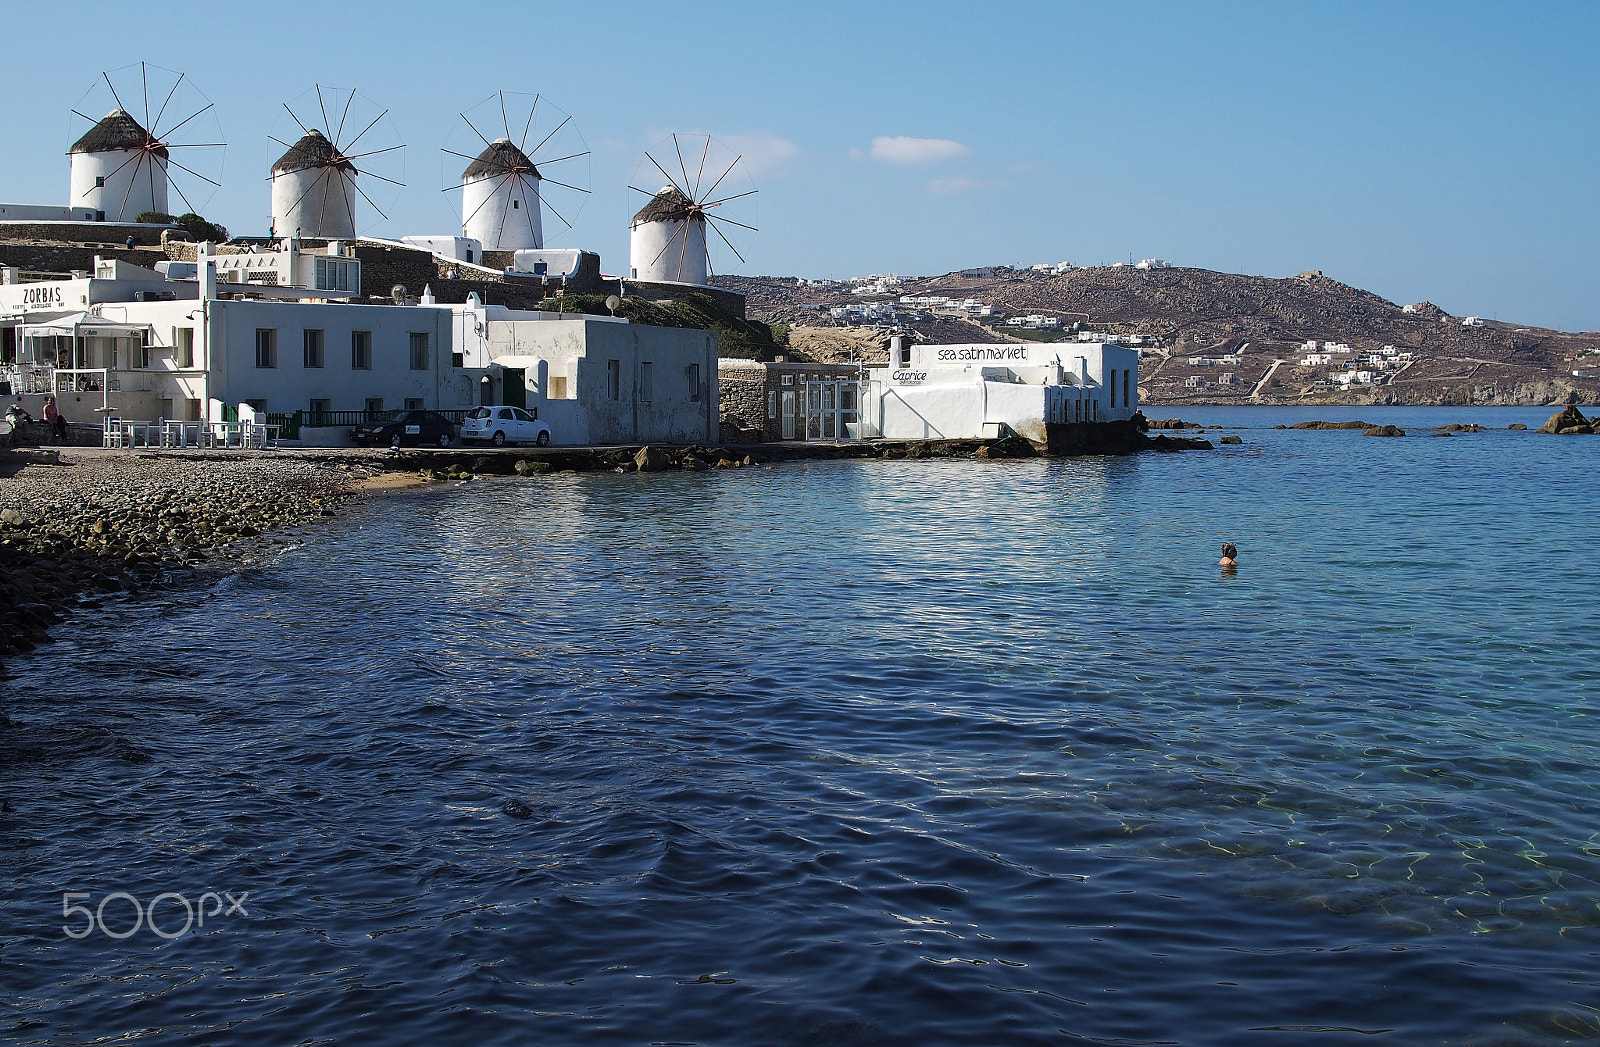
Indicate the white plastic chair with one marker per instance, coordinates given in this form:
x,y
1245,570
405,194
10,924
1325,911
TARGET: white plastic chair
x,y
113,434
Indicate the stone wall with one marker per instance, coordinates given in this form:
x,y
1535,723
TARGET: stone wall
x,y
64,258
89,234
744,389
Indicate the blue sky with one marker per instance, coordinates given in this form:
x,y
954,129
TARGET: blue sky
x,y
1422,151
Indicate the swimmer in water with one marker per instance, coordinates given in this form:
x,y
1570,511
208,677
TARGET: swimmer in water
x,y
1230,555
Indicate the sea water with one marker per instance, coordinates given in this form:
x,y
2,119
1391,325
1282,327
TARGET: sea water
x,y
847,753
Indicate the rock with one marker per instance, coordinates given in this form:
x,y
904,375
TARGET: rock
x,y
1384,430
1571,418
1518,427
1577,430
1230,440
1173,423
1007,447
1333,425
12,517
530,467
516,809
651,460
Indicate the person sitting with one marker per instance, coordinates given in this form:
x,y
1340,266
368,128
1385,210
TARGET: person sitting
x,y
1230,555
17,417
55,419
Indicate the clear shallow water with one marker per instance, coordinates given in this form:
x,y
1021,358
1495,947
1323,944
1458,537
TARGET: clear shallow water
x,y
852,753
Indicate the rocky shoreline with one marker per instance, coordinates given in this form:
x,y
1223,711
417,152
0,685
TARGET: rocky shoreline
x,y
79,526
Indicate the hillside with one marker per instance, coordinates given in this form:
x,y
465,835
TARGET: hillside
x,y
1224,330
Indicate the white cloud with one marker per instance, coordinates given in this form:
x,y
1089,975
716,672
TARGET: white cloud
x,y
760,156
767,156
903,150
962,185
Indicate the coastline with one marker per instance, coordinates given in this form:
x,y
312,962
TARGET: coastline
x,y
81,525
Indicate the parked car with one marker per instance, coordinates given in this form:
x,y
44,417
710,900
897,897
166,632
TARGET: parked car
x,y
407,427
504,425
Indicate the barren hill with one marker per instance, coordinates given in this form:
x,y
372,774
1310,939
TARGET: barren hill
x,y
1227,331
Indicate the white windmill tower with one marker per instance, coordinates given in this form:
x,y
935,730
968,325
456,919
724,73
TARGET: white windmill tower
x,y
667,238
122,165
506,186
315,183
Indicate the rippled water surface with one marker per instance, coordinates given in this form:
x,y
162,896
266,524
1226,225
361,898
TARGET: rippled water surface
x,y
848,753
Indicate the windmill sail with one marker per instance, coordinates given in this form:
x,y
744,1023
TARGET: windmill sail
x,y
668,236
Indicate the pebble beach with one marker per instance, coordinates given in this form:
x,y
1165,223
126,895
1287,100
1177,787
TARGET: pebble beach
x,y
79,525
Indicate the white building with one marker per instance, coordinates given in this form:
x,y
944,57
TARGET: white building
x,y
128,342
980,390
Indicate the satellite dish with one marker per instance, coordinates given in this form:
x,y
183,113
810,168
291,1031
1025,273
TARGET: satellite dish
x,y
612,301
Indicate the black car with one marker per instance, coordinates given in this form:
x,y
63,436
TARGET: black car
x,y
408,427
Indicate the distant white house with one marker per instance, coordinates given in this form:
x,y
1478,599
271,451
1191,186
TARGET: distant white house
x,y
979,390
1471,321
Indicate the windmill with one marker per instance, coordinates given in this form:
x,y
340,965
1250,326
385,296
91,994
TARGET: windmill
x,y
123,165
667,241
315,183
506,185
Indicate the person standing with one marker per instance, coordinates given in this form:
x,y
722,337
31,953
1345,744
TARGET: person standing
x,y
55,420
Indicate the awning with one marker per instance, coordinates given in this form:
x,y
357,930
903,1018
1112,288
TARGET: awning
x,y
85,324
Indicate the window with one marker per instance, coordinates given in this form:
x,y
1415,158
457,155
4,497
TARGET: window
x,y
413,403
1127,401
419,351
99,181
772,405
787,379
337,274
320,406
361,350
313,348
1112,386
516,204
266,347
647,381
457,360
694,383
139,356
558,388
374,405
185,347
613,379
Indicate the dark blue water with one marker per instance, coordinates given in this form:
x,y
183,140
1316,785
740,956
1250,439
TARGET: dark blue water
x,y
849,753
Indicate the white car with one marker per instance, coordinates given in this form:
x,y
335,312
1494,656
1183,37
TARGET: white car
x,y
504,425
